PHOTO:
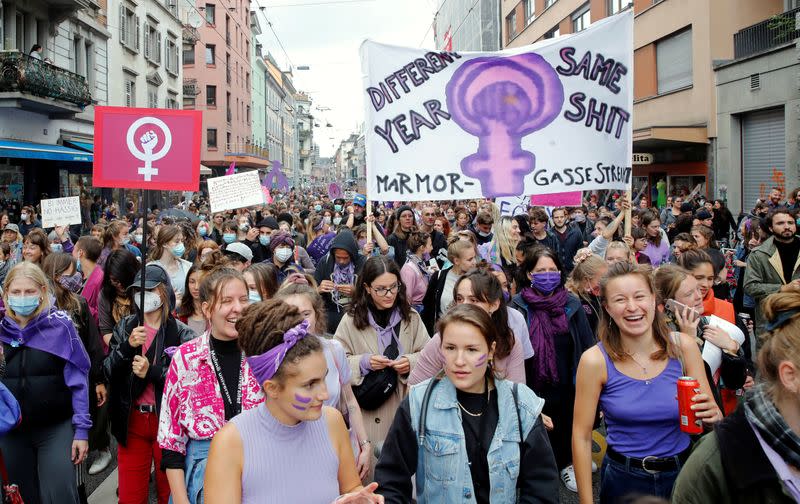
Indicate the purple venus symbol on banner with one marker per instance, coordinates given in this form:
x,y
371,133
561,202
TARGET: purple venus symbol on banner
x,y
500,100
275,177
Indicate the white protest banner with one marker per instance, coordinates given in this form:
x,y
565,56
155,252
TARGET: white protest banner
x,y
235,191
550,117
61,211
513,205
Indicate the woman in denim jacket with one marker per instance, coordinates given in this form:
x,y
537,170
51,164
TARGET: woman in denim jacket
x,y
482,440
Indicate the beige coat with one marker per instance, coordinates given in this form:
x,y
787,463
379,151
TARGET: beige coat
x,y
413,337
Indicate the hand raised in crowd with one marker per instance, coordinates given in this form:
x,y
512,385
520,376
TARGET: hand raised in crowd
x,y
325,286
368,248
79,450
720,338
366,495
138,337
252,234
140,366
102,394
628,241
687,321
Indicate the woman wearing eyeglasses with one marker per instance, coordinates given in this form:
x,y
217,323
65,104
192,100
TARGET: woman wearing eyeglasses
x,y
382,337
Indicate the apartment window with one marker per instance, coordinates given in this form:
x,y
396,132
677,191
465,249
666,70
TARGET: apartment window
x,y
128,28
228,68
152,96
674,62
172,100
172,6
581,18
211,57
130,91
188,54
511,24
152,44
211,96
615,6
227,30
171,56
247,80
529,11
555,32
211,138
90,72
228,145
248,114
188,102
211,15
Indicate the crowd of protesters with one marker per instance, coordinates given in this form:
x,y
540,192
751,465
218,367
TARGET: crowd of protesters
x,y
316,351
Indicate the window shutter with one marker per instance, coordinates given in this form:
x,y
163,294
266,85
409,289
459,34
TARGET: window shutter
x,y
674,62
122,35
146,33
137,32
127,93
158,47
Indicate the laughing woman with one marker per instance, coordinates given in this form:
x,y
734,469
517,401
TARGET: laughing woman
x,y
632,375
482,434
265,454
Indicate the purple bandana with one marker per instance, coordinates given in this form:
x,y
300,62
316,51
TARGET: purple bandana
x,y
264,366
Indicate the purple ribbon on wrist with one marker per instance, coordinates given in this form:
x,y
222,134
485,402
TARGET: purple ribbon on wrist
x,y
264,366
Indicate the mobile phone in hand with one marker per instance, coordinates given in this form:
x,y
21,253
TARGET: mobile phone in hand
x,y
676,307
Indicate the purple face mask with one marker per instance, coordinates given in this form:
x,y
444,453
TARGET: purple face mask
x,y
546,282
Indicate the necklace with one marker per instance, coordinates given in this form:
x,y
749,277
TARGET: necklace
x,y
488,395
236,407
644,369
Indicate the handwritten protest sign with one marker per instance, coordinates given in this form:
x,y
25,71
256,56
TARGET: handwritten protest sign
x,y
513,205
551,117
235,191
572,198
61,211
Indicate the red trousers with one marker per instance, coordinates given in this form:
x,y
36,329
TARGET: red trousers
x,y
136,459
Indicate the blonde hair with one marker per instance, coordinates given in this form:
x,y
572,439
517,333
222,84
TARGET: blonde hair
x,y
668,279
502,239
782,343
618,245
458,247
588,267
34,273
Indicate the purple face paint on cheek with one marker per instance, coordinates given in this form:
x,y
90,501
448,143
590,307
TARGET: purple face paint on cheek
x,y
482,360
300,408
302,399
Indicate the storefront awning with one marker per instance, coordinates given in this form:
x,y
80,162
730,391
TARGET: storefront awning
x,y
30,150
661,136
88,147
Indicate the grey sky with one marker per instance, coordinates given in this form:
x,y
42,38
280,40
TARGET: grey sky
x,y
327,38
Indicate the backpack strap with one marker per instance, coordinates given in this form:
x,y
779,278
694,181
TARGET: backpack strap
x,y
421,435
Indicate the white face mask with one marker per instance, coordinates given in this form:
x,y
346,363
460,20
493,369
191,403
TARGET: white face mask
x,y
283,254
152,301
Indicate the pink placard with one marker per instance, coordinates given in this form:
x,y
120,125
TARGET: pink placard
x,y
139,148
572,198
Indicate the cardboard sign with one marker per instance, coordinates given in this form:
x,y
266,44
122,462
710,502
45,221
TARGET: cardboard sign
x,y
61,211
551,117
139,148
235,191
512,205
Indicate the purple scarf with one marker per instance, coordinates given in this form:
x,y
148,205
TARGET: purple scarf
x,y
320,246
546,319
343,275
385,334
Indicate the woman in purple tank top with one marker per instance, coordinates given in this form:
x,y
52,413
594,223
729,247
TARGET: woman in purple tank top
x,y
293,448
631,375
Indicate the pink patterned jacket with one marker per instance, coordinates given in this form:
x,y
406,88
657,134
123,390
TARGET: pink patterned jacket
x,y
192,406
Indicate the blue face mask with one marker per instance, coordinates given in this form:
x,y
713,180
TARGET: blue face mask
x,y
178,250
317,208
338,208
264,240
202,231
126,239
254,296
56,247
229,237
546,281
23,305
78,267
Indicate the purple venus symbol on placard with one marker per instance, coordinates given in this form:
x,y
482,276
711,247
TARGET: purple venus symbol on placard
x,y
500,100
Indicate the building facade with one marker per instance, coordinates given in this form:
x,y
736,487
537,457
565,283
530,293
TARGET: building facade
x,y
259,91
144,54
47,100
675,43
305,139
218,67
758,113
463,25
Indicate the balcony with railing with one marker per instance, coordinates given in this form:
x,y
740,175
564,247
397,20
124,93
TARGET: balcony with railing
x,y
31,84
777,30
190,34
247,154
304,134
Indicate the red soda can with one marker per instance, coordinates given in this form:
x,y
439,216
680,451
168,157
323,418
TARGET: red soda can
x,y
687,388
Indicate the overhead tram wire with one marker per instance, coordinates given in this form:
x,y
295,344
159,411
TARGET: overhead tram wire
x,y
432,23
